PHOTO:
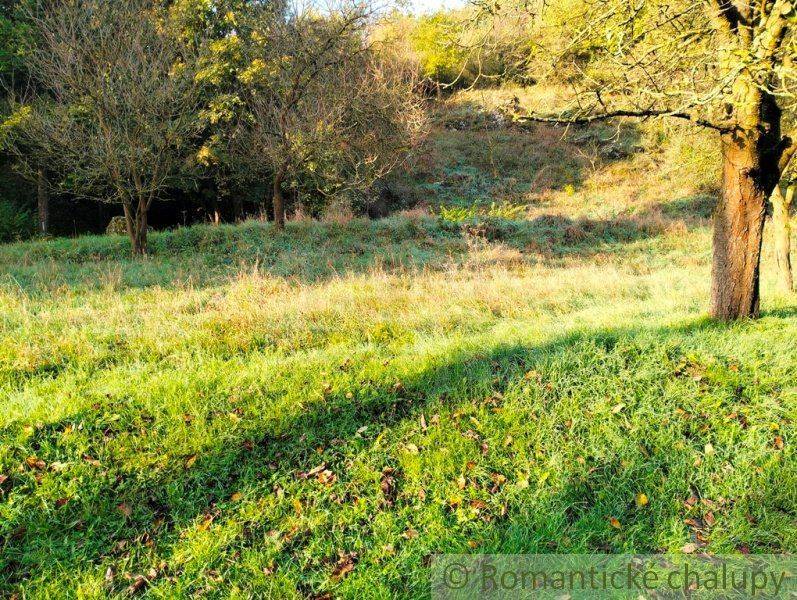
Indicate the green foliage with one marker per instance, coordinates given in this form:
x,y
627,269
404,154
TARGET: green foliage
x,y
15,223
435,39
458,48
503,210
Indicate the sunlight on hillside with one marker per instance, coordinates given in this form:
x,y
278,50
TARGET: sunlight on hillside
x,y
507,367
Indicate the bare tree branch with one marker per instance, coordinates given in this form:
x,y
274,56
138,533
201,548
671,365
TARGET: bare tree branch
x,y
639,114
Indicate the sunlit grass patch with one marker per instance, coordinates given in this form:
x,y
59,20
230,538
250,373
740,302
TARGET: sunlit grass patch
x,y
257,431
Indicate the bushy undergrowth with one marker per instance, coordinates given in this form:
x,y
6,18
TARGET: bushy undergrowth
x,y
15,223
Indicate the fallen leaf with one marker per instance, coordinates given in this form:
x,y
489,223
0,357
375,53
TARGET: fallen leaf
x,y
709,518
326,477
461,482
498,479
125,509
236,497
207,521
693,523
410,534
618,408
708,450
297,506
615,523
35,463
388,485
3,478
344,566
778,443
423,423
189,462
139,583
316,470
412,448
689,548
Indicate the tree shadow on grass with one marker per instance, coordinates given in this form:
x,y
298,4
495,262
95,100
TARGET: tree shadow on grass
x,y
121,514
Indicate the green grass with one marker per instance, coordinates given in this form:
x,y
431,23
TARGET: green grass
x,y
462,395
246,413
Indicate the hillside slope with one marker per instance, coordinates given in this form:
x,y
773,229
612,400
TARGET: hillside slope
x,y
316,412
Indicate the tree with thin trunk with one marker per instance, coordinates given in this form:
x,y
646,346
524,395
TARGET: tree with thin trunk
x,y
43,201
726,65
319,104
113,106
781,200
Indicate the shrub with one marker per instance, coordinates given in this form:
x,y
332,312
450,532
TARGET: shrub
x,y
15,223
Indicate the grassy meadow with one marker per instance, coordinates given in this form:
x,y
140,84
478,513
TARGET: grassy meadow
x,y
314,413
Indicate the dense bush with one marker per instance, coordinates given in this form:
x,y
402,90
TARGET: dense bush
x,y
461,49
15,223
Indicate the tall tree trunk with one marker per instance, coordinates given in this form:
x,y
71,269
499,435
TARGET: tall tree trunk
x,y
278,201
782,233
238,208
136,221
43,201
750,173
216,218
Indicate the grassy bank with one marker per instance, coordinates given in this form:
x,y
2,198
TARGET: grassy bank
x,y
246,413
